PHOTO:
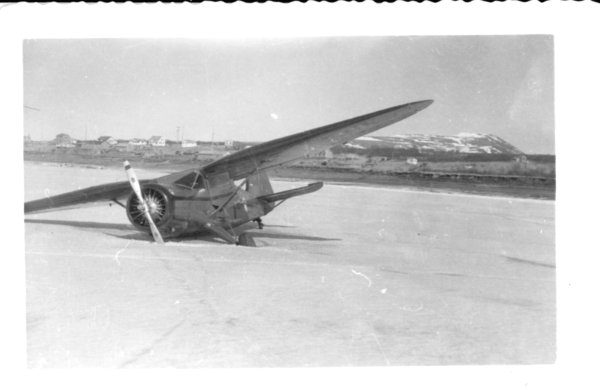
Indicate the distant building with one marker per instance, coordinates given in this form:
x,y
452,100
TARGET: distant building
x,y
157,141
234,144
138,142
87,144
188,143
107,141
351,157
521,158
327,154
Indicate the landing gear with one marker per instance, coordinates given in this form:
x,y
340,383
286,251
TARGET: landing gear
x,y
245,240
259,222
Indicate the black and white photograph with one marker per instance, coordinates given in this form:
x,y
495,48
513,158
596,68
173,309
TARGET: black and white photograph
x,y
383,200
419,228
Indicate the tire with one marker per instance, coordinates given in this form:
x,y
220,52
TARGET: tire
x,y
246,240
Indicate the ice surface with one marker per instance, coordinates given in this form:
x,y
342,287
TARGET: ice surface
x,y
346,276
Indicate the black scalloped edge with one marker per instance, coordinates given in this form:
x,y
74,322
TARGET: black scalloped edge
x,y
353,1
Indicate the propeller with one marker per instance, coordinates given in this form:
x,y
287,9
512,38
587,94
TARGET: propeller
x,y
138,192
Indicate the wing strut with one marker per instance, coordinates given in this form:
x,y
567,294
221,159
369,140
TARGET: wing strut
x,y
237,189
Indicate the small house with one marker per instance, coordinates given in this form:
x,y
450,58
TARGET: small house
x,y
107,141
138,142
188,143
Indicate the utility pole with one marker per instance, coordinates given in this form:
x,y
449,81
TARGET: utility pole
x,y
38,110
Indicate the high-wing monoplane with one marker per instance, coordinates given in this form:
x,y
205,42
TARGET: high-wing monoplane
x,y
207,198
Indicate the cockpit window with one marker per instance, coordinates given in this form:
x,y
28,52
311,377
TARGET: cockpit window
x,y
192,181
199,182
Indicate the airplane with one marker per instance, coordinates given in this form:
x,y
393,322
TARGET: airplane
x,y
207,198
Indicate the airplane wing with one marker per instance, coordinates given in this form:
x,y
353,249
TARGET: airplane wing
x,y
95,195
293,147
79,198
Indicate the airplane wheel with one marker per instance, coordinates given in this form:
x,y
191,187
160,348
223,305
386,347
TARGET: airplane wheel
x,y
246,240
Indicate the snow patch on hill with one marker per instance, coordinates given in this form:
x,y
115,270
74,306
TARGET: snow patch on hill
x,y
368,138
464,142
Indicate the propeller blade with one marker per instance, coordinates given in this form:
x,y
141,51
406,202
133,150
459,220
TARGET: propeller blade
x,y
155,233
138,192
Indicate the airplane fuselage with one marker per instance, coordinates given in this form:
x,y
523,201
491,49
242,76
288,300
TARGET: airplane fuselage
x,y
209,205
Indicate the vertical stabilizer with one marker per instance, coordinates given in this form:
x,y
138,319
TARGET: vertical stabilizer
x,y
258,184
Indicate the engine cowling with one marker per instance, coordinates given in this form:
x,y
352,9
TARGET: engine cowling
x,y
160,204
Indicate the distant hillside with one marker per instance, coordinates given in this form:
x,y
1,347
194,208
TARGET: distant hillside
x,y
424,144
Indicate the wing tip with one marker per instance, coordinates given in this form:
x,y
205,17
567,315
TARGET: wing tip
x,y
420,105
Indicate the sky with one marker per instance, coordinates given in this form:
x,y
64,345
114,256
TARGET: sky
x,y
261,89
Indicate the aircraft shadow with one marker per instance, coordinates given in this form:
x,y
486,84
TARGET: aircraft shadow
x,y
80,224
275,235
207,237
254,232
185,238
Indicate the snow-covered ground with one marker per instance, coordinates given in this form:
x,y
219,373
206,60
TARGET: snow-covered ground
x,y
348,275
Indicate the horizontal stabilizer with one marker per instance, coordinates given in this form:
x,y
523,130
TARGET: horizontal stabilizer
x,y
286,194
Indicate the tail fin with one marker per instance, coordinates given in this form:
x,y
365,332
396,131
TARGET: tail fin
x,y
258,184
